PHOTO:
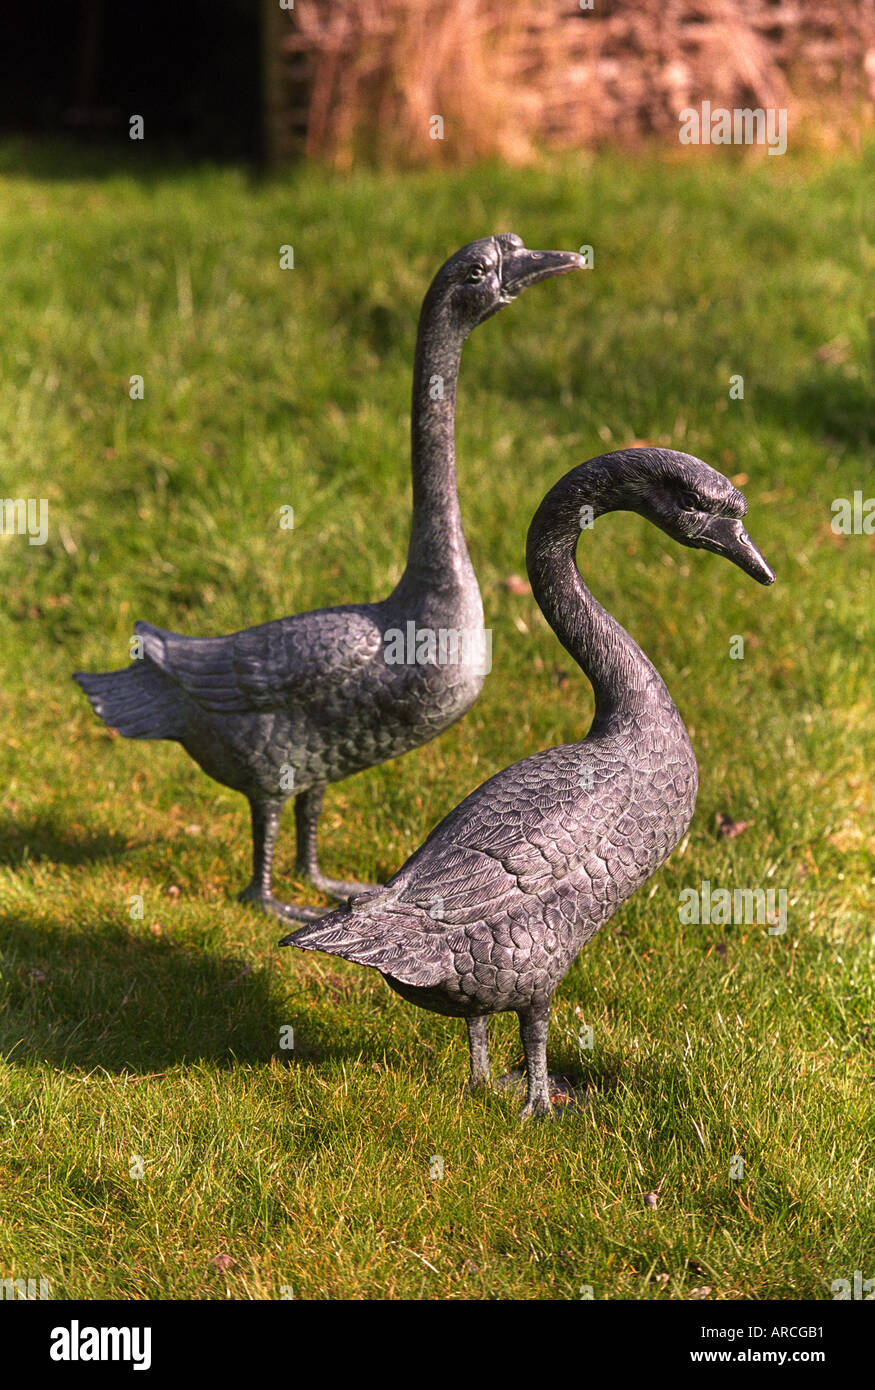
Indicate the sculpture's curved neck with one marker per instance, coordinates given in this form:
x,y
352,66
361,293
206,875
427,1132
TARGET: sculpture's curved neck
x,y
437,555
625,682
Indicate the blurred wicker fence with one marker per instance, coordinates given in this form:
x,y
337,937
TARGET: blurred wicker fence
x,y
350,77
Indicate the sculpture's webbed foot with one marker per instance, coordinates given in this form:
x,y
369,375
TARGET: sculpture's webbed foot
x,y
539,1108
477,1085
559,1096
287,912
341,888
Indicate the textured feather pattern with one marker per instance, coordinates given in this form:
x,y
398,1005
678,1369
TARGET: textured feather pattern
x,y
140,702
489,913
314,692
492,909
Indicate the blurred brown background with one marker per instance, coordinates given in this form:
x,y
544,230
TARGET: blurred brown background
x,y
348,79
509,76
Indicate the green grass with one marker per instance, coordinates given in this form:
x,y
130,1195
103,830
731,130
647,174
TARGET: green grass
x,y
160,1037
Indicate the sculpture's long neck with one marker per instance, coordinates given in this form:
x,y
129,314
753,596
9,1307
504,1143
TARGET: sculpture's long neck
x,y
437,557
626,684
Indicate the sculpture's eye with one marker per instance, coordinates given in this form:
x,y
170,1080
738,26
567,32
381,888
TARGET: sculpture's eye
x,y
475,274
690,501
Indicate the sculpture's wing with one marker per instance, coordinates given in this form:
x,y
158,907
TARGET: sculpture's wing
x,y
556,815
394,940
308,657
522,848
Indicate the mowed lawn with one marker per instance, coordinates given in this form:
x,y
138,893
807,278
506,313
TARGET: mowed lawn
x,y
153,1045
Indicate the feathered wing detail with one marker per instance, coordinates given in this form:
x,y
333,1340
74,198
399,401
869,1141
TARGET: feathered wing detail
x,y
307,657
508,853
200,666
395,943
140,701
527,829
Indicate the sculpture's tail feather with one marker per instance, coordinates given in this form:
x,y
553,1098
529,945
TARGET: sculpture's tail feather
x,y
407,953
140,702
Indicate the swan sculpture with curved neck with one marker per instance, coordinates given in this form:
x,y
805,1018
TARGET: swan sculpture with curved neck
x,y
284,708
488,915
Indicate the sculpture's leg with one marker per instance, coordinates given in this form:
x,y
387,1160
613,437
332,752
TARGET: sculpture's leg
x,y
308,806
478,1044
534,1025
265,827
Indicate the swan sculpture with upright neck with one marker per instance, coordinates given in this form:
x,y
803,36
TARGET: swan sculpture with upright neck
x,y
488,915
284,708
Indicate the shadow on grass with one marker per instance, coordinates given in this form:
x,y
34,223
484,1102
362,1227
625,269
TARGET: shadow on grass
x,y
64,159
828,403
50,838
105,997
585,1072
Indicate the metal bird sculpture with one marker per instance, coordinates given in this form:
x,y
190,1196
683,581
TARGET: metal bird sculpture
x,y
284,708
489,913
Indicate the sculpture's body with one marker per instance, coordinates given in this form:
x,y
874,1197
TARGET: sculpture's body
x,y
489,913
283,709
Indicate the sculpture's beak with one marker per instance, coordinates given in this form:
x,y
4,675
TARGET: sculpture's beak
x,y
725,535
521,268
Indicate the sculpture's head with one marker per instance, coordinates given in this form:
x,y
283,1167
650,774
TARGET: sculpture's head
x,y
691,502
485,275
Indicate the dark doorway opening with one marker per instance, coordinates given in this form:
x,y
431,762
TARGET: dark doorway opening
x,y
190,68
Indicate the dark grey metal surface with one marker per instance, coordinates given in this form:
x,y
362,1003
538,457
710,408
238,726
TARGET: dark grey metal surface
x,y
285,708
488,915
